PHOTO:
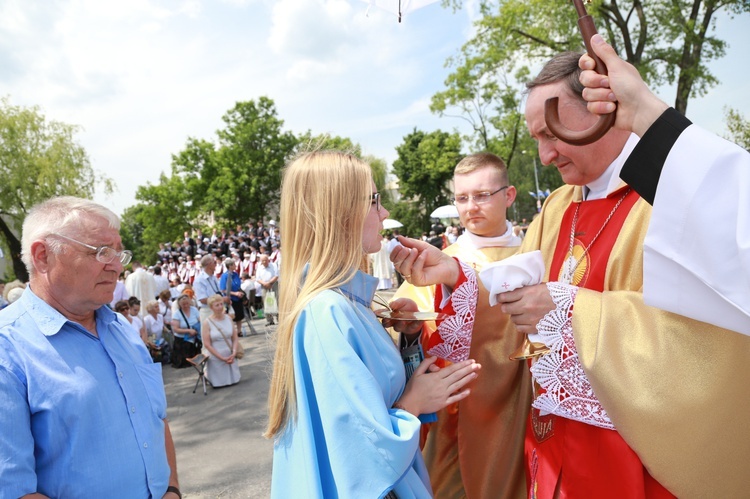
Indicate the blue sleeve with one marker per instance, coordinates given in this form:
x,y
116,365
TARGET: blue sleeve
x,y
346,385
17,462
223,281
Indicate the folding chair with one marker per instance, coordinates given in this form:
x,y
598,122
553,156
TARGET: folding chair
x,y
248,321
199,363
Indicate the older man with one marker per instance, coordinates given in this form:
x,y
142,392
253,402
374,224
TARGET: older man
x,y
631,401
206,284
83,405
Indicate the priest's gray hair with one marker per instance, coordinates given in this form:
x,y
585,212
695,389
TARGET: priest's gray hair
x,y
562,67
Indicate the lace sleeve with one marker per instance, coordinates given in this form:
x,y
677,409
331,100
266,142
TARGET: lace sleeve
x,y
568,393
455,332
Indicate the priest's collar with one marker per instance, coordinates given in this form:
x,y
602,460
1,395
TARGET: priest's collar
x,y
473,241
609,181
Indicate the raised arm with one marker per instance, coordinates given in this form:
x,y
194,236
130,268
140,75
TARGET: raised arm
x,y
637,106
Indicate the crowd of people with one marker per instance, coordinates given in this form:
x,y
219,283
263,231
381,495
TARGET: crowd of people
x,y
239,267
624,394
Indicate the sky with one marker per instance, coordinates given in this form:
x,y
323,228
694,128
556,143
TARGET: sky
x,y
141,77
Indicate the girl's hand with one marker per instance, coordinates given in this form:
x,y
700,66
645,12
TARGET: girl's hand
x,y
429,390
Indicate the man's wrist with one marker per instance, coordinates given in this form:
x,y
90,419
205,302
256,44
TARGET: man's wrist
x,y
174,490
648,114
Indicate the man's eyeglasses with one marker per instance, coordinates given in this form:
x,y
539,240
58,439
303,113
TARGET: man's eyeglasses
x,y
376,200
479,197
104,254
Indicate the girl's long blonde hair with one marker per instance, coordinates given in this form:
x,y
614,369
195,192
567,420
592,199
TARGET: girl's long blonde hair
x,y
325,197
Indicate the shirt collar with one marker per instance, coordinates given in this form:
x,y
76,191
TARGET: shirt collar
x,y
361,287
473,241
50,321
609,181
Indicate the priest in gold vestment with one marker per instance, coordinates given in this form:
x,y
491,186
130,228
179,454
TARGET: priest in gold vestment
x,y
633,401
475,449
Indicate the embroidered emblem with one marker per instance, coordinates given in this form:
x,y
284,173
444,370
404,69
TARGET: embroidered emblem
x,y
543,426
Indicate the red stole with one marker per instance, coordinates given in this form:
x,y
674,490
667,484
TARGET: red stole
x,y
566,458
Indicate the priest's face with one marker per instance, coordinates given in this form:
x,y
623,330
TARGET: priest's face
x,y
578,165
485,219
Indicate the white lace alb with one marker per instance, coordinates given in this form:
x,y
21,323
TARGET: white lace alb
x,y
455,331
568,391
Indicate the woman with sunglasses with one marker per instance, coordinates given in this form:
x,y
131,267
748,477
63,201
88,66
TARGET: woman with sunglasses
x,y
343,417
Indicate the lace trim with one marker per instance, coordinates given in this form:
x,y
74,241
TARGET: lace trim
x,y
568,392
455,331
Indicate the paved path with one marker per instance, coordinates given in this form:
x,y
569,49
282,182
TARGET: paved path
x,y
220,448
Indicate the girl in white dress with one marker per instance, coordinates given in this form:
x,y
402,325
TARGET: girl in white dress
x,y
221,341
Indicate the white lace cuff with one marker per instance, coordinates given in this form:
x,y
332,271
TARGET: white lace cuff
x,y
455,331
568,393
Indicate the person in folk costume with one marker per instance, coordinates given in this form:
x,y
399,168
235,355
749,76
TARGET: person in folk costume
x,y
246,265
181,269
275,255
192,271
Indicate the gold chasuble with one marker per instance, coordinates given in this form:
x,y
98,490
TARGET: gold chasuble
x,y
677,390
475,449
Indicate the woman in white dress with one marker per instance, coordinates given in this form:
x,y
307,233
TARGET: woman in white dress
x,y
221,341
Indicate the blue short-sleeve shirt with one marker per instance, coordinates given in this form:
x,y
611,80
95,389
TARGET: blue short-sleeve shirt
x,y
81,415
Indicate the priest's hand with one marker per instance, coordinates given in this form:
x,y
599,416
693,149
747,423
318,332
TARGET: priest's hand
x,y
410,329
422,264
637,107
429,391
527,306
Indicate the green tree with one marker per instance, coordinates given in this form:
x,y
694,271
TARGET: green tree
x,y
668,41
424,166
39,159
164,212
236,179
308,142
253,150
739,128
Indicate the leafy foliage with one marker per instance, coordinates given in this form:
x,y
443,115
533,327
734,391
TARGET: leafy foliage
x,y
668,41
424,166
229,183
739,128
253,151
39,159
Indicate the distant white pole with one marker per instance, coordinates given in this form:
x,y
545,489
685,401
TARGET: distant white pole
x,y
536,184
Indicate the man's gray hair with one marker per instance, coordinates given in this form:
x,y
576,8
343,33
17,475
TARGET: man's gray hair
x,y
562,67
206,260
65,215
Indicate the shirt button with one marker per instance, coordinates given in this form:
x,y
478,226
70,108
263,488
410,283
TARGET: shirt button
x,y
145,445
132,409
119,373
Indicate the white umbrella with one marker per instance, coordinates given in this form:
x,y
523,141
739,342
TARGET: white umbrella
x,y
447,211
399,7
389,223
